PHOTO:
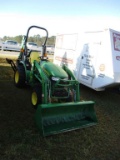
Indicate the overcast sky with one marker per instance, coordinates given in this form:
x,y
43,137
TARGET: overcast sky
x,y
64,16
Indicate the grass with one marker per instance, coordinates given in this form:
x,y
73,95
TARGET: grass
x,y
20,139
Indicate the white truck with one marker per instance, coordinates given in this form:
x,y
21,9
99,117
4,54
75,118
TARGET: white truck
x,y
50,49
33,46
10,45
93,57
1,43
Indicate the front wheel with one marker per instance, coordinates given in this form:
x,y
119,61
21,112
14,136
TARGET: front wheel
x,y
36,97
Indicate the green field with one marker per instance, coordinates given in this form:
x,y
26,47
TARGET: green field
x,y
20,139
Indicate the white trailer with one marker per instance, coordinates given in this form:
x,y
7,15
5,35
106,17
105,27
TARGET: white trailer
x,y
93,57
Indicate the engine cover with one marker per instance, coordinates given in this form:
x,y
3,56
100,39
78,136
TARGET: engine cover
x,y
53,70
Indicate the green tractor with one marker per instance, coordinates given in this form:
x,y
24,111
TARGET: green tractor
x,y
55,94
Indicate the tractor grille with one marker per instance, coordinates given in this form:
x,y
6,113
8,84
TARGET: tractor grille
x,y
58,92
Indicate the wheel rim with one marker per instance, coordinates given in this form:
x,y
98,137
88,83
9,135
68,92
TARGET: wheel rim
x,y
34,98
16,77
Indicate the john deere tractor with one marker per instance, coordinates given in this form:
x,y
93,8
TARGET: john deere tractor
x,y
55,95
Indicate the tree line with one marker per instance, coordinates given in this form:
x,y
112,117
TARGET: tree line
x,y
36,39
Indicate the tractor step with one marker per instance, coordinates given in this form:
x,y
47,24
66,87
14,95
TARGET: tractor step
x,y
62,117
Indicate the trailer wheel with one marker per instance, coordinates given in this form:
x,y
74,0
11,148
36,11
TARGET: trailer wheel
x,y
19,77
36,97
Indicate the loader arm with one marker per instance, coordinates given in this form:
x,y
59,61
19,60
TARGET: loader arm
x,y
43,79
40,75
69,72
76,86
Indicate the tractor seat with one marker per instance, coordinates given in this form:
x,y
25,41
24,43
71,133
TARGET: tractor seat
x,y
34,56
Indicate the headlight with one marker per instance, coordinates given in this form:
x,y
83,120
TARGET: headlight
x,y
55,78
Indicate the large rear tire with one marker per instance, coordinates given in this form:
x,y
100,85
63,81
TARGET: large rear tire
x,y
36,97
19,77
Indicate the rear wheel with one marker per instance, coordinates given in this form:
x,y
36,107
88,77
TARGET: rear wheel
x,y
36,97
19,77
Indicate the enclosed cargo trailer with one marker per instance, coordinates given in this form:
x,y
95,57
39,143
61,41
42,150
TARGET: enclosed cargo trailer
x,y
93,57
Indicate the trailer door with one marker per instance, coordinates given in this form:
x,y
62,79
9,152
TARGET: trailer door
x,y
88,62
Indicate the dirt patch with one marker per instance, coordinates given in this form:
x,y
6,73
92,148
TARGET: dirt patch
x,y
20,139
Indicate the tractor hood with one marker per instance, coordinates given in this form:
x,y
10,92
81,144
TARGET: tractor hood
x,y
53,70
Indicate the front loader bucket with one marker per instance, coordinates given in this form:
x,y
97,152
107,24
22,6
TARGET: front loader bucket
x,y
63,117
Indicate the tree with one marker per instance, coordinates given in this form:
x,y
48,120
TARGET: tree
x,y
36,39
